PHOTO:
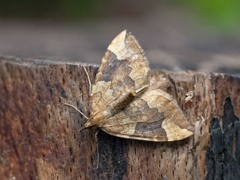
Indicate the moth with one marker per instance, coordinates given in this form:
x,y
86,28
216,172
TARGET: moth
x,y
122,103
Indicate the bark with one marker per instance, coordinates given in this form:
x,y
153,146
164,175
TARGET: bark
x,y
40,137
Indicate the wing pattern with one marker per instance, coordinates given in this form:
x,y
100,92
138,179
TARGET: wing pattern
x,y
154,116
123,105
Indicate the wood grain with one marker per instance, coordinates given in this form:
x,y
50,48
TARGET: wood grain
x,y
40,137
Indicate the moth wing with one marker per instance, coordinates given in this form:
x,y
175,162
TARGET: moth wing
x,y
122,74
154,116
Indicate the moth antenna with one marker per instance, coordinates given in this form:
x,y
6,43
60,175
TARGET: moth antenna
x,y
89,81
77,110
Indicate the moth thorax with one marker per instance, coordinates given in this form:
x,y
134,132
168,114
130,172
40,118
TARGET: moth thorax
x,y
101,117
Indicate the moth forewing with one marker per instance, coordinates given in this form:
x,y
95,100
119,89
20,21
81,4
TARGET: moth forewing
x,y
122,75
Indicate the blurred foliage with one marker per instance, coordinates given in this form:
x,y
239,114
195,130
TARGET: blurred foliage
x,y
220,13
73,9
57,9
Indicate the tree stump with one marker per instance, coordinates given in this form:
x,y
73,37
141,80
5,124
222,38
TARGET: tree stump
x,y
40,137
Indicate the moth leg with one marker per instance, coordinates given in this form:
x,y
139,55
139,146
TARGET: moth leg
x,y
89,81
96,139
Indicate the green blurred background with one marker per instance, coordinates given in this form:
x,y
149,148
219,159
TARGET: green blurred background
x,y
179,35
220,13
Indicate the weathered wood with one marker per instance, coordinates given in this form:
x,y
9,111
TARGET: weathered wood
x,y
40,138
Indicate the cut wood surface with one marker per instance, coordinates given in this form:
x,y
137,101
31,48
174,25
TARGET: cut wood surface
x,y
40,137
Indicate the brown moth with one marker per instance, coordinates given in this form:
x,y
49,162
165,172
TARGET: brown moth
x,y
123,105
